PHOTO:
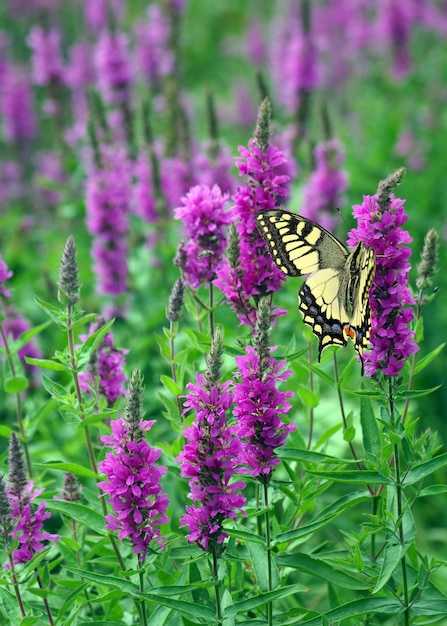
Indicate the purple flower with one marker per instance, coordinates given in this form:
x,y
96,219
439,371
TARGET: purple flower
x,y
16,106
204,220
394,24
327,184
380,227
107,367
255,274
133,483
144,202
47,63
4,275
29,524
153,55
216,169
211,457
108,202
113,67
259,408
15,325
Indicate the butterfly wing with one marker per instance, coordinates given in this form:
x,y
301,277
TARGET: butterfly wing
x,y
298,245
334,299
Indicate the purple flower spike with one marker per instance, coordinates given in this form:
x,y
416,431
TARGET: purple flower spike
x,y
380,227
204,220
259,409
256,274
133,478
211,457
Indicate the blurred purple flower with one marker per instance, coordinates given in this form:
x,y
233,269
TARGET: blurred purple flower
x,y
394,25
5,274
107,367
259,409
11,186
14,326
324,192
16,106
113,68
255,43
203,220
108,202
214,169
144,203
153,55
380,227
47,63
210,459
133,483
176,179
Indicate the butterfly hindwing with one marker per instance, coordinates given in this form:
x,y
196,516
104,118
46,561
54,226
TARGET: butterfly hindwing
x,y
334,299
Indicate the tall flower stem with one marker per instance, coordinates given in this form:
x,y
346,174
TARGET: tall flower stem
x,y
45,601
269,608
88,440
211,310
217,588
15,584
142,605
398,483
18,401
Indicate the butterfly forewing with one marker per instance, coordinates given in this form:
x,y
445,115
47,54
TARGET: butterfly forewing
x,y
334,299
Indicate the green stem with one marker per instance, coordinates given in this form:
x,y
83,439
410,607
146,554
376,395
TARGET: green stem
x,y
45,601
18,402
268,546
88,439
311,411
15,583
143,613
397,478
211,310
173,370
217,589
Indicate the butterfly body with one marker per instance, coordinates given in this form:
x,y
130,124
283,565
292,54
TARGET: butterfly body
x,y
334,299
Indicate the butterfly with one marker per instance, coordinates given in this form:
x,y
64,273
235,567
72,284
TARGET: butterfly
x,y
334,299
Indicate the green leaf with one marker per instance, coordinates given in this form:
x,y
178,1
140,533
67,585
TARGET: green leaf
x,y
433,606
53,311
54,389
370,429
327,516
418,472
83,514
388,606
364,477
422,364
86,349
292,454
432,490
258,555
15,384
48,364
245,535
261,599
310,398
393,554
23,339
171,385
192,609
411,394
121,583
349,433
78,470
326,571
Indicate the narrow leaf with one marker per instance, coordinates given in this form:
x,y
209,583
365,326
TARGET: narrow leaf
x,y
370,429
15,384
47,364
422,364
419,472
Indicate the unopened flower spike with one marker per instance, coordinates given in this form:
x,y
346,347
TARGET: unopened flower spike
x,y
134,406
17,473
214,361
386,188
6,518
176,299
427,268
71,491
261,335
68,283
263,125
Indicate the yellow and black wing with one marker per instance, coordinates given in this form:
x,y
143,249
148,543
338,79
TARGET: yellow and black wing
x,y
334,299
